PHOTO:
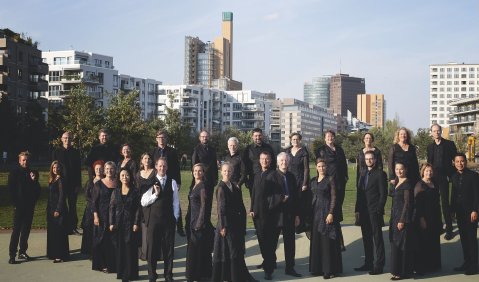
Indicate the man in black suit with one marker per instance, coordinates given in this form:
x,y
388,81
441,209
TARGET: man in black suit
x,y
465,203
370,200
204,153
24,190
440,154
105,151
161,211
171,155
69,157
284,185
264,215
251,156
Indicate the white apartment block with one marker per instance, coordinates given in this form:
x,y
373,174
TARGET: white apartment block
x,y
70,68
214,109
447,83
309,120
148,91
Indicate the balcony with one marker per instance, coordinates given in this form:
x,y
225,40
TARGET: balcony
x,y
71,78
189,105
466,109
461,121
40,85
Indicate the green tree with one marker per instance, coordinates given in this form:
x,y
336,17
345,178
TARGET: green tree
x,y
220,140
421,140
351,144
82,118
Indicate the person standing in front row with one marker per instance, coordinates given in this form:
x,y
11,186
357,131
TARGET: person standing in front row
x,y
251,156
371,197
69,158
24,190
465,203
337,168
171,155
440,154
161,211
204,153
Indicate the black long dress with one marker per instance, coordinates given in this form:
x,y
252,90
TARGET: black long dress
x,y
408,159
428,246
87,221
57,234
325,249
198,253
299,167
401,240
103,251
124,214
143,184
130,165
229,251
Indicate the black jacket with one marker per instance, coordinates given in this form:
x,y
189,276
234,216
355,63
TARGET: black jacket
x,y
465,191
372,198
251,161
207,156
449,150
23,190
70,159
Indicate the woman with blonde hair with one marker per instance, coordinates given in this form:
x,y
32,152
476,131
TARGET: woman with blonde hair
x,y
403,151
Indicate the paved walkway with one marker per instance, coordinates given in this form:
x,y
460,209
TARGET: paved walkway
x,y
79,268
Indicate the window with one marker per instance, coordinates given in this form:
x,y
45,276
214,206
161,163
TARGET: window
x,y
54,76
59,61
449,75
54,90
456,75
471,69
449,96
471,75
434,69
448,83
19,74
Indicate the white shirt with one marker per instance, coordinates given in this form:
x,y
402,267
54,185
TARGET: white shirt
x,y
149,197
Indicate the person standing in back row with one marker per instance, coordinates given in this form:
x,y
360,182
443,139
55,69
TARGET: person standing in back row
x,y
440,154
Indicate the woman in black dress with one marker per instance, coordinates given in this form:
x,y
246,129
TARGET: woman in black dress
x,y
124,222
400,228
229,246
325,249
427,223
57,235
103,254
87,221
361,167
403,152
198,253
299,167
127,161
145,178
337,168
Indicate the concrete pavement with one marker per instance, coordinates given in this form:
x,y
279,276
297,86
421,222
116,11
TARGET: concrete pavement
x,y
79,268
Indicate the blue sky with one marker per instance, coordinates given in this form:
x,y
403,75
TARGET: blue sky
x,y
278,45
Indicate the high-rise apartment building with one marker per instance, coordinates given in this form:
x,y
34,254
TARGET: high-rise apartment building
x,y
371,109
70,68
316,92
147,93
447,83
465,118
211,64
343,92
22,72
309,120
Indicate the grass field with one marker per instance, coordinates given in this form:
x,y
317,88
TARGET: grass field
x,y
39,221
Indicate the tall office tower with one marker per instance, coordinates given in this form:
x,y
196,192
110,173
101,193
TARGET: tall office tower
x,y
22,72
343,92
371,109
71,68
447,83
211,64
316,92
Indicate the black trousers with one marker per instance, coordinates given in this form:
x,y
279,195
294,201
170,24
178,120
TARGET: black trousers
x,y
371,225
22,224
72,197
443,186
468,233
166,238
267,235
289,240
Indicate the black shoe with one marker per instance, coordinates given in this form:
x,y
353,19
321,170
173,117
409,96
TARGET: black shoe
x,y
376,271
24,256
267,276
396,278
460,268
449,236
293,273
181,232
259,266
12,261
364,267
328,276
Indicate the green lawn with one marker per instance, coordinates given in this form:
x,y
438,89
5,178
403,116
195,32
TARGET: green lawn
x,y
39,221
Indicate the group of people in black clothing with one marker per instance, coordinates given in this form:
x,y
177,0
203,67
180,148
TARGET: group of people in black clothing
x,y
133,211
